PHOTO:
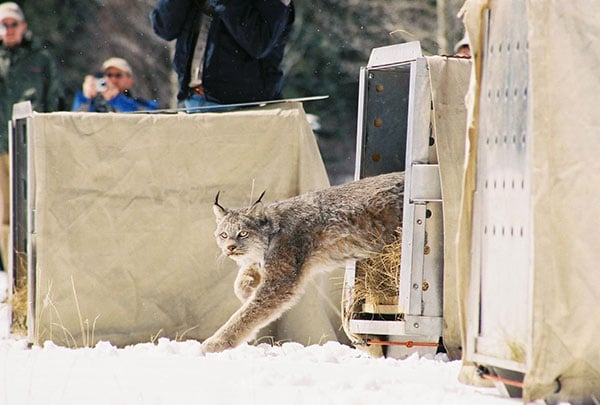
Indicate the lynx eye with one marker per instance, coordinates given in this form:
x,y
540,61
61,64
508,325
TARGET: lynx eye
x,y
243,234
223,235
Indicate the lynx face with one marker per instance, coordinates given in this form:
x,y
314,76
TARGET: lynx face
x,y
241,236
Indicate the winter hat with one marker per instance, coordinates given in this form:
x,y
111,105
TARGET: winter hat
x,y
118,63
11,10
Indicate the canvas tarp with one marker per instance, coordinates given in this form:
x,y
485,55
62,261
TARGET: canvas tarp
x,y
449,78
124,244
563,127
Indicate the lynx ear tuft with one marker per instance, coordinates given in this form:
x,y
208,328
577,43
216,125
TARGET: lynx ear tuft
x,y
219,211
258,209
260,197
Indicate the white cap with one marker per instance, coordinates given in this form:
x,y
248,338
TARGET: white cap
x,y
118,63
11,10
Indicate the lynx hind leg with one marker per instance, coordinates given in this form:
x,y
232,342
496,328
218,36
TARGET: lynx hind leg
x,y
271,299
246,282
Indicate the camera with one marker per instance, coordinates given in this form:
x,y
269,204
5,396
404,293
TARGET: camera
x,y
101,84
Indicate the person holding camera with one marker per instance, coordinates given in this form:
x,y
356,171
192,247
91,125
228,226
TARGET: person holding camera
x,y
110,91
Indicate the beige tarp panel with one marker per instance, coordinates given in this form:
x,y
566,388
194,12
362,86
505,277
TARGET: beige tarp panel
x,y
472,13
563,126
449,82
124,223
564,54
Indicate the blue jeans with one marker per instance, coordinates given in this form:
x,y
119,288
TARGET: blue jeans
x,y
198,104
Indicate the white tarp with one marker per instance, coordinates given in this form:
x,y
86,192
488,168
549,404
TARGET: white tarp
x,y
565,127
564,123
124,225
449,79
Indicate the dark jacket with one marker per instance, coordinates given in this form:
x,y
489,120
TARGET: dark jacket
x,y
244,50
27,73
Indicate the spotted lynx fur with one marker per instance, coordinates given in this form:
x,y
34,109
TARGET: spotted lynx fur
x,y
279,246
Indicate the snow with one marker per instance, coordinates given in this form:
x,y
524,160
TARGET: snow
x,y
173,372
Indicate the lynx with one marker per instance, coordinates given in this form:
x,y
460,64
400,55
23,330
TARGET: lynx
x,y
280,245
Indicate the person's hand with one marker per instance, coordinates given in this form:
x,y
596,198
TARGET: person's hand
x,y
111,92
89,87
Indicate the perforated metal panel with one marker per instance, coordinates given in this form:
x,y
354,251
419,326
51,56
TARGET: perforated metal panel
x,y
501,322
385,130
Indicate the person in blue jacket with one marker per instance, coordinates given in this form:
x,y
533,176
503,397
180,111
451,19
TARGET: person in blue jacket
x,y
243,52
111,91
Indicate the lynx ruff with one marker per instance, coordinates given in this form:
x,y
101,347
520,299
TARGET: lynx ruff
x,y
280,245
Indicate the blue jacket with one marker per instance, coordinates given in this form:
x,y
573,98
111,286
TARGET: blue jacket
x,y
244,50
121,103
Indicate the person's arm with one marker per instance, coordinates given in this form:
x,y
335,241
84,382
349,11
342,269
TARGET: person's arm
x,y
256,25
82,103
122,103
147,105
168,17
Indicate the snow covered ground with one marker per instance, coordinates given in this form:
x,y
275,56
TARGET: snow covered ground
x,y
171,372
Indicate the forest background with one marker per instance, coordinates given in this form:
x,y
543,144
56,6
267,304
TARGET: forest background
x,y
331,40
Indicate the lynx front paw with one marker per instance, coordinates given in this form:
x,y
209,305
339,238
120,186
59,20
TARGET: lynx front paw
x,y
215,345
246,282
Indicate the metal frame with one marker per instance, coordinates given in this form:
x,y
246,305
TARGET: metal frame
x,y
21,259
394,133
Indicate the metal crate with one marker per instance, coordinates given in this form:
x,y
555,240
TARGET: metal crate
x,y
394,134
